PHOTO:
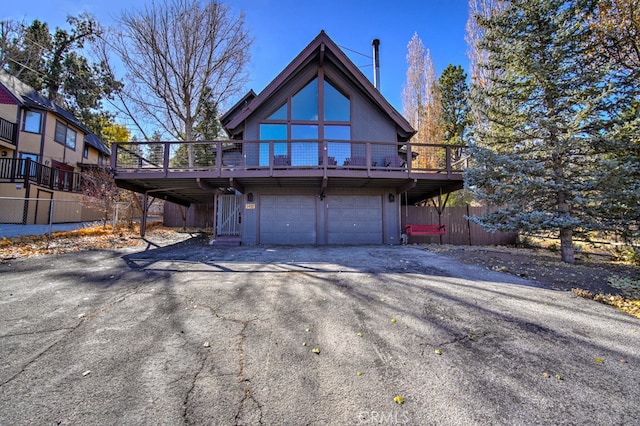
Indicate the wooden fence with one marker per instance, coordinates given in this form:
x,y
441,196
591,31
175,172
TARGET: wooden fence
x,y
460,231
199,215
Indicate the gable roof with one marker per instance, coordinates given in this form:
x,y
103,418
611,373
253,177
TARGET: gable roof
x,y
326,49
28,97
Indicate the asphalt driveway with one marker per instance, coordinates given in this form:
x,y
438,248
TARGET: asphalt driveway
x,y
190,334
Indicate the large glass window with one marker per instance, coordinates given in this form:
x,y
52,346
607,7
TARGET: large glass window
x,y
338,152
304,104
32,121
272,132
336,105
304,153
305,126
279,114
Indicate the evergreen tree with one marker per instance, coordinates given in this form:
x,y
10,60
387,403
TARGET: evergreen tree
x,y
455,106
55,65
545,118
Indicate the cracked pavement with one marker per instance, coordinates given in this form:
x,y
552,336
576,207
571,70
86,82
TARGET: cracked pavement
x,y
184,333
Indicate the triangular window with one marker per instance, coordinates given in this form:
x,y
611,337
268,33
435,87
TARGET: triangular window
x,y
304,104
336,105
279,114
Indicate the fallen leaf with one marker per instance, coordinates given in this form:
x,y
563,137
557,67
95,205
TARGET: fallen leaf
x,y
473,336
438,352
393,320
398,399
599,360
359,373
316,351
559,377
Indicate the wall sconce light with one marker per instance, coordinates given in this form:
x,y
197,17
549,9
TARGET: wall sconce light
x,y
4,153
392,198
250,197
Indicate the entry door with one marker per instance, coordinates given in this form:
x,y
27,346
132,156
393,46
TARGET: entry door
x,y
228,220
63,175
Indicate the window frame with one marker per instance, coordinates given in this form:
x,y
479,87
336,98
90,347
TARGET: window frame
x,y
321,78
67,129
26,116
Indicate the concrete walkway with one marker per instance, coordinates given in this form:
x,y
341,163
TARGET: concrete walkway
x,y
190,334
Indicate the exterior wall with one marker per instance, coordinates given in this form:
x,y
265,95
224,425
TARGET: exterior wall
x,y
56,151
28,142
11,211
9,112
67,206
93,155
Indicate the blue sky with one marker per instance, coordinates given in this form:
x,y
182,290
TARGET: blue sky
x,y
282,28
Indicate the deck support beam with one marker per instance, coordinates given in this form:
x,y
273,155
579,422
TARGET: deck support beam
x,y
236,185
407,186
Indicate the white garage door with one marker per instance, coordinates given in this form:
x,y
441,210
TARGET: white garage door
x,y
287,219
354,219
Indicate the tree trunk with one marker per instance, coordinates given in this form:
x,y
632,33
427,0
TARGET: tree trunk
x,y
566,246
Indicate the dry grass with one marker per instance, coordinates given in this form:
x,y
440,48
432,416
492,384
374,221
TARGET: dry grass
x,y
630,306
93,238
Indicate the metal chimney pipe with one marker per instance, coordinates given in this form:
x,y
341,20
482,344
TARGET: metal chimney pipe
x,y
376,63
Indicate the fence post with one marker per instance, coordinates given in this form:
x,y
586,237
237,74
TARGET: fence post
x,y
53,204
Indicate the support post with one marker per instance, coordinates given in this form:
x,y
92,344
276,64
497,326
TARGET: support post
x,y
143,221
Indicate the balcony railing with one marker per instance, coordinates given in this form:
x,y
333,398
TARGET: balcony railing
x,y
25,170
249,156
8,131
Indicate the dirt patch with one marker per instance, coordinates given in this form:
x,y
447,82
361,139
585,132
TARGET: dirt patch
x,y
591,272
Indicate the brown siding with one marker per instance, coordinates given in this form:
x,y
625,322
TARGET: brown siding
x,y
460,231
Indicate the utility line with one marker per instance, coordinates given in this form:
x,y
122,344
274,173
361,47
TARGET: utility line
x,y
355,51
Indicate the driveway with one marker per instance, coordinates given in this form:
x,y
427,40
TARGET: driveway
x,y
190,334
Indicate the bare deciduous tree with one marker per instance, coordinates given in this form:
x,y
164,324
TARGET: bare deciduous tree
x,y
421,101
99,191
477,55
616,27
179,56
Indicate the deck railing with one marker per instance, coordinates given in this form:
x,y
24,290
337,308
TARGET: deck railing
x,y
8,131
25,170
234,156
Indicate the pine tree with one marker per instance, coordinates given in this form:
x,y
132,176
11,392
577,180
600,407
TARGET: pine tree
x,y
544,117
455,105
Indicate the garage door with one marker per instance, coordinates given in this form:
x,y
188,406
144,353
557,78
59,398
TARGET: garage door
x,y
287,219
354,219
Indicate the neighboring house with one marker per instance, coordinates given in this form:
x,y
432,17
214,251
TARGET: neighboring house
x,y
43,149
318,157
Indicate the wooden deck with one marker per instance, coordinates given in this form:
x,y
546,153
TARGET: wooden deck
x,y
190,172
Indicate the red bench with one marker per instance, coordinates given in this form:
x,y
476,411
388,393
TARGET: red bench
x,y
424,229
